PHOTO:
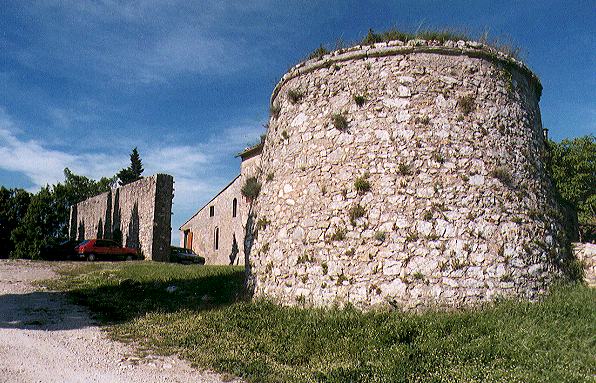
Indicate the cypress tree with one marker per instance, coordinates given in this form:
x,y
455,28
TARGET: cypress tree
x,y
134,171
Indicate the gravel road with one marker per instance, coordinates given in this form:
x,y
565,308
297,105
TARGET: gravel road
x,y
44,338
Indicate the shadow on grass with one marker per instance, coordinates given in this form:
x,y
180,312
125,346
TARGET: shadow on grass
x,y
194,312
118,300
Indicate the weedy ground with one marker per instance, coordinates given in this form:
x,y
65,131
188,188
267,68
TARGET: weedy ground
x,y
206,320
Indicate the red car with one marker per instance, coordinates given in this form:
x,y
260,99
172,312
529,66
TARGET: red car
x,y
93,249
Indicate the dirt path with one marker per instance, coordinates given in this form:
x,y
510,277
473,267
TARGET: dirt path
x,y
43,338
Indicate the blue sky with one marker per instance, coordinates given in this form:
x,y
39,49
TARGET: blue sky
x,y
188,83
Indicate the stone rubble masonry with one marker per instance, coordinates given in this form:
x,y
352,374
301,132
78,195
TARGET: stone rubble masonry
x,y
460,209
586,254
140,211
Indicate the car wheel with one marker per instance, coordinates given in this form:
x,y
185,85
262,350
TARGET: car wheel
x,y
129,257
91,257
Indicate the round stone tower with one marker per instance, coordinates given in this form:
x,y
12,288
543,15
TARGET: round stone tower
x,y
406,175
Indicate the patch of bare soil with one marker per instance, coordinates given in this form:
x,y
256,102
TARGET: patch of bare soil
x,y
44,338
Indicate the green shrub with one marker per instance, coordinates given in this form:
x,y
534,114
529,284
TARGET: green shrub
x,y
270,176
285,135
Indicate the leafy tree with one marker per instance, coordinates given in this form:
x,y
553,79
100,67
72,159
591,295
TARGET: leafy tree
x,y
13,206
80,187
573,168
40,226
133,172
46,219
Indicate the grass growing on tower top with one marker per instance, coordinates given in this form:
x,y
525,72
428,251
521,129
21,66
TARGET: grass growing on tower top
x,y
206,322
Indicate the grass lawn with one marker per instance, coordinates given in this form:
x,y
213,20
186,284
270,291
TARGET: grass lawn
x,y
206,322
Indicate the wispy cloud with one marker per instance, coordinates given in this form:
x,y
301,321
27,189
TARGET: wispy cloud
x,y
41,164
153,42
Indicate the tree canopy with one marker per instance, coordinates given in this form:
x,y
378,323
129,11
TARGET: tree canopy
x,y
573,168
133,172
42,218
13,207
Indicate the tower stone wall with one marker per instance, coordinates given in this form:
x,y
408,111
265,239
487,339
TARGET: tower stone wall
x,y
406,175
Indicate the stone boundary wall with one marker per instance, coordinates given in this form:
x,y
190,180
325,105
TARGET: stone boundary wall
x,y
586,254
454,205
137,215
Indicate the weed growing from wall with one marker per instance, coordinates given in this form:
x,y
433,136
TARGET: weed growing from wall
x,y
404,168
339,234
466,104
356,211
295,95
362,185
502,174
318,53
380,236
360,100
340,122
262,223
274,110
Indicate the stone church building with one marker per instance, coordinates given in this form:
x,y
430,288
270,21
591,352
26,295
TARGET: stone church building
x,y
211,231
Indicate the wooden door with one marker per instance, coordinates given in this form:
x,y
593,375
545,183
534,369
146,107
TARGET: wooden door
x,y
189,240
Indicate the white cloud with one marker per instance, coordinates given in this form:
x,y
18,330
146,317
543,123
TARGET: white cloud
x,y
29,157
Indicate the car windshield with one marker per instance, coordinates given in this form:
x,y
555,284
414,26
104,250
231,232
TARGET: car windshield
x,y
84,242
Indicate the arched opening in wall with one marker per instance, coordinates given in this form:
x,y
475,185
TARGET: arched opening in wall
x,y
234,208
216,238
